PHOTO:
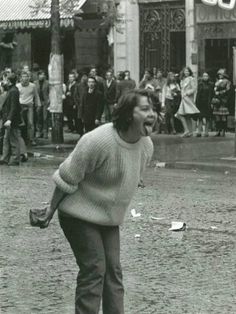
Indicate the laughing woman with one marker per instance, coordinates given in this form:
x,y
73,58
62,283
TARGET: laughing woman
x,y
94,187
187,109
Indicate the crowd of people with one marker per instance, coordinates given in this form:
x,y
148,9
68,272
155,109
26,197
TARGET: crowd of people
x,y
185,105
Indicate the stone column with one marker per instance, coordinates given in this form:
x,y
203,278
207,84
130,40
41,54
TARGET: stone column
x,y
126,46
191,40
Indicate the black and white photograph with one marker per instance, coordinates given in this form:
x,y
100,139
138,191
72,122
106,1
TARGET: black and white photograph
x,y
118,156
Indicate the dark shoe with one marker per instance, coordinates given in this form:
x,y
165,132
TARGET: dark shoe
x,y
198,135
13,163
24,157
217,134
3,162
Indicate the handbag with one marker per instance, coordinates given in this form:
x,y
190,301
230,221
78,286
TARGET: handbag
x,y
36,215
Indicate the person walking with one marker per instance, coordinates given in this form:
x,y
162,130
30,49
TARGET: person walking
x,y
42,86
28,99
187,109
203,103
11,119
92,106
109,95
94,187
170,97
220,101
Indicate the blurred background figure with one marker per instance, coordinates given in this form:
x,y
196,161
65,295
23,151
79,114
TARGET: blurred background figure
x,y
203,103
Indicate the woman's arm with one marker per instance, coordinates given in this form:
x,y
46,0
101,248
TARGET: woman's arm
x,y
58,196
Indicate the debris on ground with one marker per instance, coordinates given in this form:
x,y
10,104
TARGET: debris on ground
x,y
157,218
177,226
134,213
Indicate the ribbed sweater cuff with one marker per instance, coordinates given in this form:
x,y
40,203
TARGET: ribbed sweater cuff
x,y
62,185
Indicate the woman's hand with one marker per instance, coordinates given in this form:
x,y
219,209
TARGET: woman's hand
x,y
44,221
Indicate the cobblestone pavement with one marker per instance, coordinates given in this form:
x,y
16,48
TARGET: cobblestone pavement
x,y
189,272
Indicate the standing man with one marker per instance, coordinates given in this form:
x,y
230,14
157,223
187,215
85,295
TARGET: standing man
x,y
70,107
42,86
11,118
92,106
109,95
124,85
80,90
28,98
100,81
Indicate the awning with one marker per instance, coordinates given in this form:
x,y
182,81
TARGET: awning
x,y
19,14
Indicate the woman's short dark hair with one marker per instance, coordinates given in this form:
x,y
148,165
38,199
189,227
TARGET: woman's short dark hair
x,y
122,115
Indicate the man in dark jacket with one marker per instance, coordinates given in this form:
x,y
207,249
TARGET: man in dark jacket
x,y
11,118
109,95
92,106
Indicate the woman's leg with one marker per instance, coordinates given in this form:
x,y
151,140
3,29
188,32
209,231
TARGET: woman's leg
x,y
172,123
184,123
113,291
87,245
200,126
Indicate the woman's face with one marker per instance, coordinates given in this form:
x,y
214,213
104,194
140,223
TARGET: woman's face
x,y
186,72
144,117
205,76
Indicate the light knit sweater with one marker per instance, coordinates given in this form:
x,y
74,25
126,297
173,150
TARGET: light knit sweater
x,y
28,94
101,176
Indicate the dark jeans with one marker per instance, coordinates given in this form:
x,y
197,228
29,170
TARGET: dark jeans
x,y
11,144
97,252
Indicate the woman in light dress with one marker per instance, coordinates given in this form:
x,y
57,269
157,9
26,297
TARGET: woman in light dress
x,y
187,112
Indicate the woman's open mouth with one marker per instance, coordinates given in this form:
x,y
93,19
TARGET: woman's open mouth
x,y
148,126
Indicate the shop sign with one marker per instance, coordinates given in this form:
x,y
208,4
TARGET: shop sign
x,y
226,5
214,14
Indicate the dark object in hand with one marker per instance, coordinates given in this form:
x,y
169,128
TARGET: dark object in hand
x,y
36,216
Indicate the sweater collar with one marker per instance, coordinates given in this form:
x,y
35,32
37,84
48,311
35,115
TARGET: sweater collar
x,y
123,143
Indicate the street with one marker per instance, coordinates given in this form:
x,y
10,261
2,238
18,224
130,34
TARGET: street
x,y
164,272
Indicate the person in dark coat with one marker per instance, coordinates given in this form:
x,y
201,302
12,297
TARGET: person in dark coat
x,y
80,90
11,119
220,101
92,106
124,85
70,107
203,103
109,95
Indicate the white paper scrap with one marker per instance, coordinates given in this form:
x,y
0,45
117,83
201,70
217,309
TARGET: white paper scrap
x,y
134,213
177,226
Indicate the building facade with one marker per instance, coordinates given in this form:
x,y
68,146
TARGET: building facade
x,y
169,34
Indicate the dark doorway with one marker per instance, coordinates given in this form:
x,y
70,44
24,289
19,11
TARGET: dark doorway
x,y
219,54
177,51
41,48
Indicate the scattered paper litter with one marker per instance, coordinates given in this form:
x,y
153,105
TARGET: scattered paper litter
x,y
177,226
137,236
200,180
213,227
226,172
160,164
134,213
45,203
157,218
36,155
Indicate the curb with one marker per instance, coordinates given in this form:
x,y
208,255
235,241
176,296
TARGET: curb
x,y
207,166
